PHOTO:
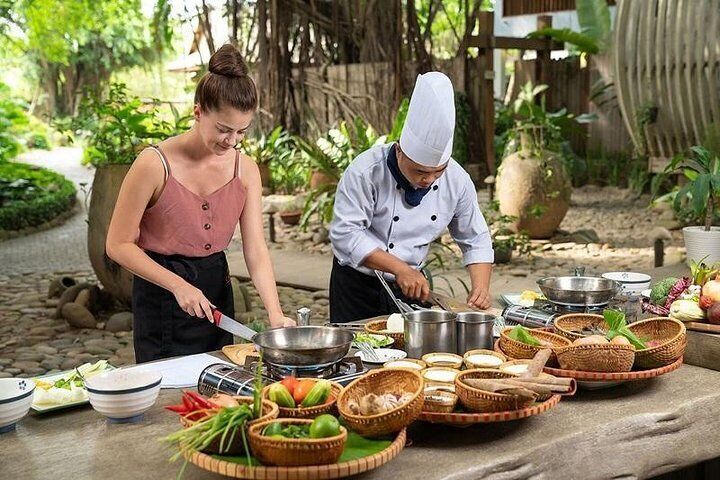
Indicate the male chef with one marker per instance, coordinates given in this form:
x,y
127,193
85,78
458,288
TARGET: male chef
x,y
394,200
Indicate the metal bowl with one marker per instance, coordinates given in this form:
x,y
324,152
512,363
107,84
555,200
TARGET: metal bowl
x,y
295,347
579,291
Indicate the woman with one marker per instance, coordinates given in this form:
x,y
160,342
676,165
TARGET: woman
x,y
176,212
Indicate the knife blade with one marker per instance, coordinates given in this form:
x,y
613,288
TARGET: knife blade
x,y
233,326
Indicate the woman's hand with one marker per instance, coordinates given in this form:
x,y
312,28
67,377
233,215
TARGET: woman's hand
x,y
193,301
282,321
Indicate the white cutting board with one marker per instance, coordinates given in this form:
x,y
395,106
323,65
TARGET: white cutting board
x,y
180,372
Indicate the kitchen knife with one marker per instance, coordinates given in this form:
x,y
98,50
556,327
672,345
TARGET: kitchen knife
x,y
232,326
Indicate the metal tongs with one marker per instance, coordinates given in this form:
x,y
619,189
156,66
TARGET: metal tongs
x,y
402,306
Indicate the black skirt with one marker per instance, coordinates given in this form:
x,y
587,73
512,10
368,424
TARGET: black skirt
x,y
356,296
161,328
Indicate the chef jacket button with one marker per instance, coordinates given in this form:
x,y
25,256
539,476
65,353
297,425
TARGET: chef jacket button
x,y
435,187
206,226
396,218
433,218
207,246
397,186
392,245
205,206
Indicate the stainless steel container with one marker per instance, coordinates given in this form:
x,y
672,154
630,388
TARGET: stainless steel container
x,y
474,330
428,331
528,316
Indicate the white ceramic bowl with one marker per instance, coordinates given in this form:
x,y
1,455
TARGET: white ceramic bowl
x,y
123,395
16,395
632,283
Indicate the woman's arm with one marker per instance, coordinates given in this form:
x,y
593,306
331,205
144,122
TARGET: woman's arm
x,y
145,177
257,257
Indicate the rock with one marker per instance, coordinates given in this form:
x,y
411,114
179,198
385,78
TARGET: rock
x,y
98,350
70,363
120,322
13,370
62,342
68,296
26,365
30,357
321,294
5,375
4,362
51,363
241,296
321,236
83,298
78,316
59,284
46,331
563,246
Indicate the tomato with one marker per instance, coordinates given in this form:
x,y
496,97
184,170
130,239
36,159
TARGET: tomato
x,y
302,388
324,426
290,383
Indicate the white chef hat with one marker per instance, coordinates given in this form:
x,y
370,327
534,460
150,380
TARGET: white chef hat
x,y
427,137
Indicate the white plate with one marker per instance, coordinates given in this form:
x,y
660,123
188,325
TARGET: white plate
x,y
384,355
49,407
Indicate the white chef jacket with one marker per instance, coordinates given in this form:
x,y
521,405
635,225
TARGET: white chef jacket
x,y
370,212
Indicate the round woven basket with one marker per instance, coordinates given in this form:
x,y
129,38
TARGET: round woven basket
x,y
309,412
378,327
519,350
566,325
670,332
469,364
295,452
270,411
597,358
477,400
380,381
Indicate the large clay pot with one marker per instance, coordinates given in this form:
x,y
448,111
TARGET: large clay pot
x,y
318,179
105,189
534,186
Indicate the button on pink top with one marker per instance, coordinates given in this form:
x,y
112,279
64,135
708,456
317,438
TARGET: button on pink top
x,y
182,222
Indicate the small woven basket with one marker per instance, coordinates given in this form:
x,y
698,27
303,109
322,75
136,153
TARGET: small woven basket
x,y
477,400
295,452
597,358
381,381
568,325
670,332
519,350
378,327
270,411
309,412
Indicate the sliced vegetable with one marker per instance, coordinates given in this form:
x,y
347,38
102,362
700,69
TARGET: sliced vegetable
x,y
521,334
279,394
318,394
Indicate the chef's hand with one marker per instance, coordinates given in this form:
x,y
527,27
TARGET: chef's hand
x,y
479,297
193,301
282,322
413,284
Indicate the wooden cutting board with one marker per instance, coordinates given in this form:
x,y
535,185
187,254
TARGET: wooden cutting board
x,y
703,327
449,303
237,353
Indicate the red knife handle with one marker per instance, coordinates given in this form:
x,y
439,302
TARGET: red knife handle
x,y
216,315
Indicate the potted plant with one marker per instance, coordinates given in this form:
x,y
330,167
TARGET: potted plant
x,y
698,200
276,147
533,184
116,128
504,239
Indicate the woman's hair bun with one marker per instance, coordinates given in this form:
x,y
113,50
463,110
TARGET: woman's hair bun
x,y
228,62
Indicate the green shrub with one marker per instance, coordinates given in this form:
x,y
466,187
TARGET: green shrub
x,y
30,196
12,120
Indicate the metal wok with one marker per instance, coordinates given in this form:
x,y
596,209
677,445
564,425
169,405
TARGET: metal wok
x,y
307,346
579,291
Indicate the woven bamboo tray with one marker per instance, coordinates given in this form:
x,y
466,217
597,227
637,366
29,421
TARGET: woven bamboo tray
x,y
472,418
671,332
309,412
605,379
518,350
377,327
564,324
314,472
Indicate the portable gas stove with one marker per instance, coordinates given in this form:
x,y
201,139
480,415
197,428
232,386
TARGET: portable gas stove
x,y
543,312
239,380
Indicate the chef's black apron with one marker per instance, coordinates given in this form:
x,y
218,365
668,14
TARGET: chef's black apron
x,y
161,328
356,296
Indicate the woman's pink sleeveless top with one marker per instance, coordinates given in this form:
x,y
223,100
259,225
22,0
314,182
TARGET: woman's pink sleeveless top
x,y
182,222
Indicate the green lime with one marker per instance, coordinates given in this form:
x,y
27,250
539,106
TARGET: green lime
x,y
274,428
324,426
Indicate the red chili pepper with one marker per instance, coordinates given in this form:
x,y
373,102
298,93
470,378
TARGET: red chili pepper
x,y
181,409
200,400
189,404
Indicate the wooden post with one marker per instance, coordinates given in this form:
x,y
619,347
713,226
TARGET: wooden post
x,y
542,65
486,95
